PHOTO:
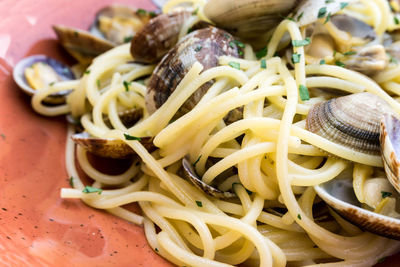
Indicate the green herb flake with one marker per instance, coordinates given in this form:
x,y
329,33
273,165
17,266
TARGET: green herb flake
x,y
240,53
52,83
195,11
126,85
130,137
199,203
232,44
198,48
263,63
98,83
3,136
396,20
288,18
391,58
89,189
197,160
76,33
71,181
300,16
322,62
349,53
321,12
329,1
86,72
127,39
141,11
381,260
189,30
386,194
262,53
234,65
299,216
328,18
296,58
239,43
298,43
303,91
152,14
227,36
339,63
156,249
343,5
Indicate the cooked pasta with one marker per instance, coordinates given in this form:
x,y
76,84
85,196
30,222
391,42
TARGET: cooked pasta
x,y
276,218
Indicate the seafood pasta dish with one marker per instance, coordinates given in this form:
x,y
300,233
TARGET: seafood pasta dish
x,y
257,132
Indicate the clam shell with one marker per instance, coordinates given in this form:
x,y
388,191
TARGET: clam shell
x,y
128,117
352,121
110,148
190,174
205,46
61,69
158,36
390,147
339,194
82,45
248,18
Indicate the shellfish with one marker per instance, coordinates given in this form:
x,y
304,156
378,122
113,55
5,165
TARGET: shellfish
x,y
352,121
158,36
37,71
205,46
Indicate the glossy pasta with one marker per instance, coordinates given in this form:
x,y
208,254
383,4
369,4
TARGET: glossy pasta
x,y
278,161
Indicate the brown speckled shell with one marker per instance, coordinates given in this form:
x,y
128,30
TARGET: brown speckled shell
x,y
110,148
205,46
390,145
158,36
352,121
191,175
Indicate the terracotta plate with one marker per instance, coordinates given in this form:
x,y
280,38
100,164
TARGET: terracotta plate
x,y
37,228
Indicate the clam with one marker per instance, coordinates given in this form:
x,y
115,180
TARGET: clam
x,y
390,146
158,36
205,46
339,194
114,25
119,23
190,174
248,18
352,121
38,71
108,147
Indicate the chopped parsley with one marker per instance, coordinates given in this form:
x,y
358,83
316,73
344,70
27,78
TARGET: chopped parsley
x,y
89,189
386,194
86,72
329,1
234,65
127,39
263,63
232,44
141,11
343,5
300,16
381,260
299,216
391,58
321,12
98,83
262,53
296,58
198,48
322,62
199,203
52,83
152,14
76,34
339,63
349,53
130,137
303,91
328,18
156,249
126,85
396,20
239,43
197,160
298,43
195,11
71,181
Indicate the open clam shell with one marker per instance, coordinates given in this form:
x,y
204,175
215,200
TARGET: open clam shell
x,y
390,147
352,121
339,194
110,148
63,73
190,174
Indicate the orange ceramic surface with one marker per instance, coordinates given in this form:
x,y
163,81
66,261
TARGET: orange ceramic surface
x,y
37,228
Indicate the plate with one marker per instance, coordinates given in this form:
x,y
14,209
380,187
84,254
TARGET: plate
x,y
37,228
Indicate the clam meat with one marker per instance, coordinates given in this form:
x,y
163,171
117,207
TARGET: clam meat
x,y
352,121
39,71
205,46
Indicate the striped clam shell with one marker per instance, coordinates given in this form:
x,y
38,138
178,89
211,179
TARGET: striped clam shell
x,y
205,46
390,147
352,121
